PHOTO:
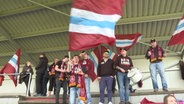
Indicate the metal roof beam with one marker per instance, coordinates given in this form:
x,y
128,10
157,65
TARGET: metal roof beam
x,y
120,22
161,38
6,34
34,7
152,18
53,49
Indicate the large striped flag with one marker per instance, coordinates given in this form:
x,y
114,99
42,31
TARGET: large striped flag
x,y
126,40
92,23
178,35
12,67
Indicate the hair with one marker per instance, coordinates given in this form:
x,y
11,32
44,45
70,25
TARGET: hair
x,y
166,98
66,56
43,54
84,52
123,49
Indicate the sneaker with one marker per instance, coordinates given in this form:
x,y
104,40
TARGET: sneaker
x,y
100,103
110,102
128,102
122,102
155,90
165,89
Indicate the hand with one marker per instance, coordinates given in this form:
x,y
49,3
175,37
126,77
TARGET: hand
x,y
99,78
70,62
63,71
86,75
122,70
149,53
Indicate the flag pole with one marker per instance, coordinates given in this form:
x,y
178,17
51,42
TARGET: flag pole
x,y
29,83
9,74
69,54
34,2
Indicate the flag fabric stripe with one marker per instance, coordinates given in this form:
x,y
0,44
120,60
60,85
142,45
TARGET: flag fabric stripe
x,y
178,35
79,13
100,6
97,19
90,30
180,27
94,58
85,22
123,43
78,40
127,40
177,39
13,62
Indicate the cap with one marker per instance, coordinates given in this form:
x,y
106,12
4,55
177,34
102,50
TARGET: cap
x,y
152,40
123,49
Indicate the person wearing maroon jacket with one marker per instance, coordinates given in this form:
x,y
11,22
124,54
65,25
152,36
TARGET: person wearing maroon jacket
x,y
105,73
123,63
89,65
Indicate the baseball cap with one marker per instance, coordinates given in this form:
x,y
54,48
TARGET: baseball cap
x,y
152,40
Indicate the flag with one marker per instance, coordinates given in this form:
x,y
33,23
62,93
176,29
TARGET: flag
x,y
92,23
112,55
178,35
12,67
127,40
1,77
97,55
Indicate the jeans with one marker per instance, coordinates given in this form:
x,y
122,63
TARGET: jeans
x,y
124,82
88,93
58,86
74,94
106,82
154,68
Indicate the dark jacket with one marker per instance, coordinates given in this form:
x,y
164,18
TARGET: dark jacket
x,y
42,65
124,62
25,73
106,68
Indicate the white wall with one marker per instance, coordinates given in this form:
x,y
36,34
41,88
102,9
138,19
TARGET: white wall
x,y
173,78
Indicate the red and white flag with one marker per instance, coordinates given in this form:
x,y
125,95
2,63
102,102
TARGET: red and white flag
x,y
112,55
1,77
12,67
127,40
92,22
178,35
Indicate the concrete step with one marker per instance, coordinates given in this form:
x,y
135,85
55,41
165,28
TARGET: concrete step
x,y
38,100
135,98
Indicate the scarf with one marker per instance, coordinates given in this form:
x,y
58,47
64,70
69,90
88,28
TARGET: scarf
x,y
61,75
53,70
77,80
153,56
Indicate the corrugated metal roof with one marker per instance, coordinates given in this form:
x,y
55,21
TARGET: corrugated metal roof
x,y
35,28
